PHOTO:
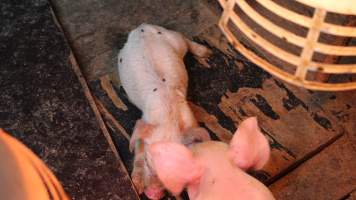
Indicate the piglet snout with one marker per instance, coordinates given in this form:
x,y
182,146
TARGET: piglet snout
x,y
154,192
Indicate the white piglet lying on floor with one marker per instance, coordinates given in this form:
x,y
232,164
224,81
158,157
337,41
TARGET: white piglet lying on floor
x,y
154,77
213,170
153,74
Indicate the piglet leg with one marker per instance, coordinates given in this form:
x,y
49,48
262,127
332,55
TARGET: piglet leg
x,y
200,52
138,168
143,178
141,130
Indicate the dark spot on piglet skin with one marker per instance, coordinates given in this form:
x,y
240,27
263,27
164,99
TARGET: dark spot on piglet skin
x,y
154,90
159,32
163,79
142,30
120,60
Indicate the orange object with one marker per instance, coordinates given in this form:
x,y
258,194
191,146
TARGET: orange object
x,y
23,176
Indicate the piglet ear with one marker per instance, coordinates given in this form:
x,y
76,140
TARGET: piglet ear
x,y
249,148
174,165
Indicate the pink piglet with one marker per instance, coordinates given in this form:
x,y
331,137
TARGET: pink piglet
x,y
213,170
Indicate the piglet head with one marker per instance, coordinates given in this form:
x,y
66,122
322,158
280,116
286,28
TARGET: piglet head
x,y
215,170
175,165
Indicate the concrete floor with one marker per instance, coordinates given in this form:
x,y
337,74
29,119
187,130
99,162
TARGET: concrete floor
x,y
97,29
313,133
43,105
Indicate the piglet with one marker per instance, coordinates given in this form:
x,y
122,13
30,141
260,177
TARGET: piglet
x,y
153,74
214,170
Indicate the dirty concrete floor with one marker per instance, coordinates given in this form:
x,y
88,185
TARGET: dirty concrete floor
x,y
97,29
311,134
43,105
